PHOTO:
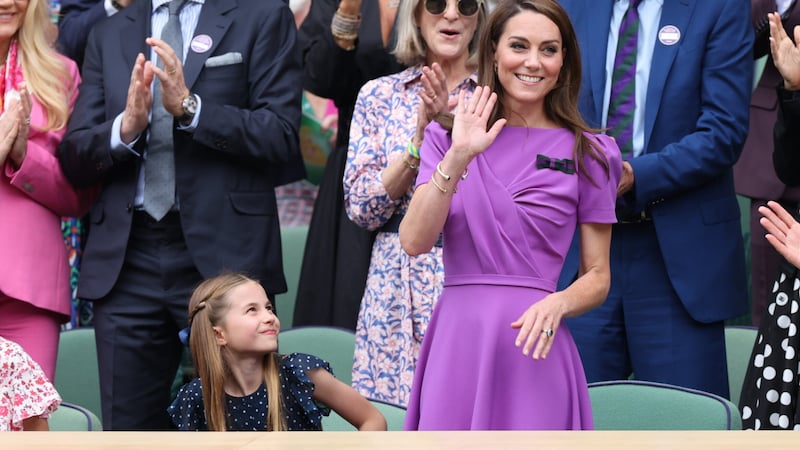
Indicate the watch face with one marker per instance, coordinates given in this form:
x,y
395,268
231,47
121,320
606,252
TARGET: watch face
x,y
189,105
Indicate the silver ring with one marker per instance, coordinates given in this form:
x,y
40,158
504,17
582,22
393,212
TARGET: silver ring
x,y
548,332
27,121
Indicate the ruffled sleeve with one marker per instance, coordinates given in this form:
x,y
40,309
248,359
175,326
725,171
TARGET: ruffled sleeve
x,y
28,392
187,411
302,411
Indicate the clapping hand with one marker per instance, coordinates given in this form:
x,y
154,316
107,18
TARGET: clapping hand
x,y
434,98
783,231
434,93
9,128
785,53
136,116
173,84
20,148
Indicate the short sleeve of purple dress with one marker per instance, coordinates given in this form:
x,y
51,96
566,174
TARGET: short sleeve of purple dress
x,y
507,233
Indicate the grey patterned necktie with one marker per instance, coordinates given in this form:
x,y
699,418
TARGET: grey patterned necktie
x,y
159,164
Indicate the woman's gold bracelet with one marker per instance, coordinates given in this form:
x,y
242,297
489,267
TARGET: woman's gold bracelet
x,y
438,186
413,167
446,176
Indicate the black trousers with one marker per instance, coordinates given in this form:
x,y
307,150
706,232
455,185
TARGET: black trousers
x,y
137,325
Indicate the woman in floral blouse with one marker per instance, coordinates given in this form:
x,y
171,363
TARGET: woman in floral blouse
x,y
437,40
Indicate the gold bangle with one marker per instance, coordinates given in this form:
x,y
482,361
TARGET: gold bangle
x,y
446,176
438,186
440,172
413,167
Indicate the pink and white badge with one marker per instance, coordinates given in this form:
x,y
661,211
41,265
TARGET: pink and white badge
x,y
669,35
201,43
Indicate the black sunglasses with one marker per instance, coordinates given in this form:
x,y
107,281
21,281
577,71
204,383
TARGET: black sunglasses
x,y
465,7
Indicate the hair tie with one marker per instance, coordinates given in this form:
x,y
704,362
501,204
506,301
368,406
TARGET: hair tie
x,y
196,309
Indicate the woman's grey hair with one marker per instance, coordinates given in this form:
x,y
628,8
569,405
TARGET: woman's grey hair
x,y
411,48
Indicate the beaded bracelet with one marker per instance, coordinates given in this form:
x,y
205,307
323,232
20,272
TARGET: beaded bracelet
x,y
344,26
412,149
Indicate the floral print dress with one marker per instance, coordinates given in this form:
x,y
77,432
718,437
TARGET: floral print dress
x,y
401,290
25,391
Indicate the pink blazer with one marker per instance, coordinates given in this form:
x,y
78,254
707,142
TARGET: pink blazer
x,y
33,257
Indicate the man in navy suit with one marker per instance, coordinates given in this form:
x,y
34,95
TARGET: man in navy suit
x,y
235,99
677,257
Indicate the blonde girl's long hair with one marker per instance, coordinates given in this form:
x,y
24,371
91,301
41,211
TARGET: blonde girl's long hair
x,y
207,307
44,70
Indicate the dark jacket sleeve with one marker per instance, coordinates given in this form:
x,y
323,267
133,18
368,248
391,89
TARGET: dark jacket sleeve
x,y
77,19
786,155
330,71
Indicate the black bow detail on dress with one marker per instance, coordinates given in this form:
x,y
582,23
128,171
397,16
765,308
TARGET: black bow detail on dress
x,y
563,165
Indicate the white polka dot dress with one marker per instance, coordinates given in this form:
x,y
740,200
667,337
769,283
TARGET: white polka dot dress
x,y
770,390
249,413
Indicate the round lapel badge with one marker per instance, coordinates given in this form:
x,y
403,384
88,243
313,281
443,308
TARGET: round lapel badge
x,y
669,35
201,43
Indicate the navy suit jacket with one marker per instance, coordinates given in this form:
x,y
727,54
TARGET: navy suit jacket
x,y
77,20
246,141
696,122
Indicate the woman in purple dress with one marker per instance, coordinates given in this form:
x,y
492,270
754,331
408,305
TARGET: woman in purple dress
x,y
508,181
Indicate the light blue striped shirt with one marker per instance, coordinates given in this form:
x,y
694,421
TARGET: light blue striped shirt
x,y
649,18
188,16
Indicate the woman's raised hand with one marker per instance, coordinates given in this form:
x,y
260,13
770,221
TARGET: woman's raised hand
x,y
783,232
785,53
470,134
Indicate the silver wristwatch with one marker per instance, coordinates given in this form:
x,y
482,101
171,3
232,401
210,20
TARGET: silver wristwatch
x,y
189,105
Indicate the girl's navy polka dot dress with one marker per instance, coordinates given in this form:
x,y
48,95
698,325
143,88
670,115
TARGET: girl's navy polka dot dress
x,y
249,413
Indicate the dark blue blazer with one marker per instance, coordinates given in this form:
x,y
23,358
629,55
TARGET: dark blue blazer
x,y
696,122
245,144
76,20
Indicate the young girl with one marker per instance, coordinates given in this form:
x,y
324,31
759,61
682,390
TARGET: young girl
x,y
26,396
234,343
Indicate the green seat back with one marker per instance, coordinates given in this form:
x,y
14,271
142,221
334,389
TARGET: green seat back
x,y
739,342
334,345
293,244
641,405
77,377
71,417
